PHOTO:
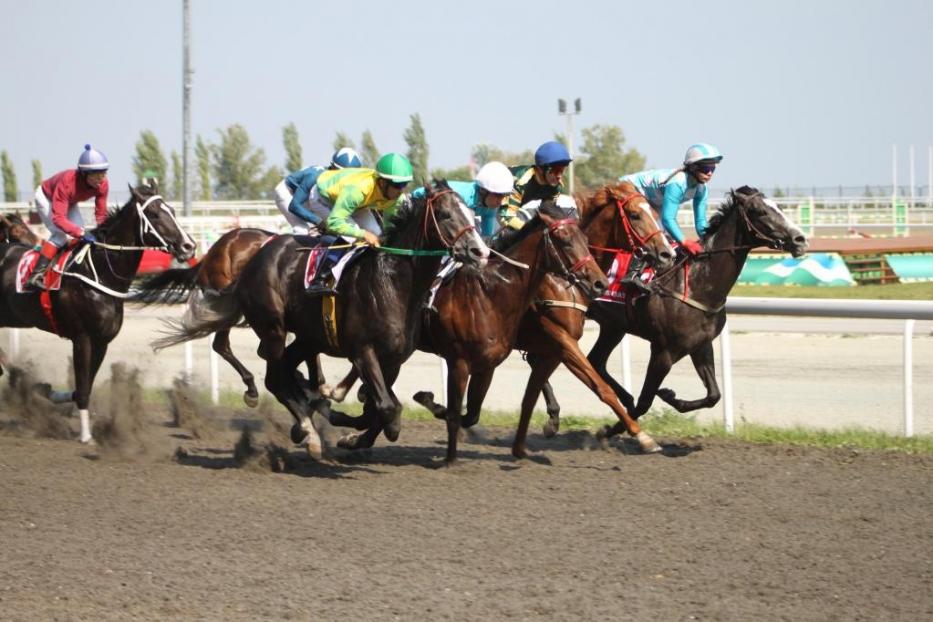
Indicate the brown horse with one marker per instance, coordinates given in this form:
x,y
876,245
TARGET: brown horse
x,y
13,230
615,218
478,311
686,311
88,309
206,287
374,322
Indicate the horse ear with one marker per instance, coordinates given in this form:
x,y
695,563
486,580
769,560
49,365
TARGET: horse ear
x,y
133,191
5,221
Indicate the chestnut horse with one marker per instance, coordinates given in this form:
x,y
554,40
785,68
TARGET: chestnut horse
x,y
374,321
686,312
207,288
14,231
478,311
88,308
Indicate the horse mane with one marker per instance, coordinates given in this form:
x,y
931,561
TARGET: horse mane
x,y
503,242
728,206
591,205
113,216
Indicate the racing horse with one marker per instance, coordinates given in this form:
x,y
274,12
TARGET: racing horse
x,y
88,308
207,289
686,310
14,231
374,321
478,312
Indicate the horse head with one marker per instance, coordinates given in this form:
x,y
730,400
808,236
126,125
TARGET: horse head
x,y
622,217
449,223
766,224
569,252
157,223
14,230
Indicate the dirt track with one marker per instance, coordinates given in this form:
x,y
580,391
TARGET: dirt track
x,y
709,531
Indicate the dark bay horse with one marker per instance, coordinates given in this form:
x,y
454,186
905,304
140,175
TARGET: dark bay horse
x,y
13,230
206,287
478,311
680,320
374,322
88,309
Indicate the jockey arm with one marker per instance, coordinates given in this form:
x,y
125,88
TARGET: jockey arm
x,y
673,197
60,202
699,210
304,181
100,202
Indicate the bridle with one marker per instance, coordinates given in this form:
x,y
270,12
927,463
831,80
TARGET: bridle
x,y
146,228
761,238
638,243
429,212
572,275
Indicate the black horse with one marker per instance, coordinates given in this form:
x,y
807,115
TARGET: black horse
x,y
374,321
680,322
88,309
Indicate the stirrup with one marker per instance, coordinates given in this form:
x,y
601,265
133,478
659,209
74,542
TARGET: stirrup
x,y
321,289
637,283
36,281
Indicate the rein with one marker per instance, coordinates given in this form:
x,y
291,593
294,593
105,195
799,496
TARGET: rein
x,y
638,249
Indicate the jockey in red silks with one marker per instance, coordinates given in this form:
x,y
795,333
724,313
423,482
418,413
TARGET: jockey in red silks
x,y
57,204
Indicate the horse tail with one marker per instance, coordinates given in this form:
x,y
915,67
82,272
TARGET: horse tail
x,y
167,287
207,312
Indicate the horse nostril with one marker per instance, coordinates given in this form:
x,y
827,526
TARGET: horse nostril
x,y
800,240
600,286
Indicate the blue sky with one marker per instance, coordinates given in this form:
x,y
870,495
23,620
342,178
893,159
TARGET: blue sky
x,y
794,93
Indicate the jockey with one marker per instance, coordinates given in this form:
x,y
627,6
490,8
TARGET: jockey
x,y
534,183
57,204
344,200
291,194
484,195
666,189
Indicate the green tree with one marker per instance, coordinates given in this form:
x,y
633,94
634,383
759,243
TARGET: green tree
x,y
149,161
178,178
202,152
10,193
485,152
239,168
417,148
368,151
341,140
292,148
603,158
460,173
36,173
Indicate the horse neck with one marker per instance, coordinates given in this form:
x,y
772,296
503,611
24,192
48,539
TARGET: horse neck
x,y
116,268
712,280
606,233
513,292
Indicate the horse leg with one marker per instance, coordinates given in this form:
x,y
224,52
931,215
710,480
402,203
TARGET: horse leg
x,y
339,392
552,425
459,374
221,345
705,365
573,359
659,365
541,369
608,338
87,357
375,414
367,363
476,393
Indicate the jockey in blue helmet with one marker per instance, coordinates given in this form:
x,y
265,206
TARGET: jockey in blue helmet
x,y
535,183
291,194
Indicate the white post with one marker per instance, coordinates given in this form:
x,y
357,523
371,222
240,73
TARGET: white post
x,y
189,362
443,382
910,206
930,175
893,175
626,353
908,378
215,375
14,343
725,354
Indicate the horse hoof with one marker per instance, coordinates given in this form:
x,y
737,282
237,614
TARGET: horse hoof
x,y
315,450
353,441
298,434
648,445
42,388
551,428
392,431
251,399
519,454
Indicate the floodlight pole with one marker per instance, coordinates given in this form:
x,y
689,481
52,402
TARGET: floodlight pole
x,y
562,110
186,107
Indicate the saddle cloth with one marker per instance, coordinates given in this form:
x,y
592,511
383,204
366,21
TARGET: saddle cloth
x,y
322,256
617,292
53,276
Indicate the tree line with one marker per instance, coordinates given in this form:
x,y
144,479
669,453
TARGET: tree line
x,y
232,168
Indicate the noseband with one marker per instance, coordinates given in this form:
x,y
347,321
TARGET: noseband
x,y
570,275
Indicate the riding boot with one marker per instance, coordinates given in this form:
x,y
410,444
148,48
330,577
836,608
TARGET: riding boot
x,y
322,285
633,275
47,252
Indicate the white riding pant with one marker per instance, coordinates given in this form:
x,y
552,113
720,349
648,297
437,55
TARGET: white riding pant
x,y
44,209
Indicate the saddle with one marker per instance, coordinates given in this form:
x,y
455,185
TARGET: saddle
x,y
53,276
619,292
324,254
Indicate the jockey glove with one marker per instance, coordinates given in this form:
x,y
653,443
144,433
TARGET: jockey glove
x,y
692,246
88,237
